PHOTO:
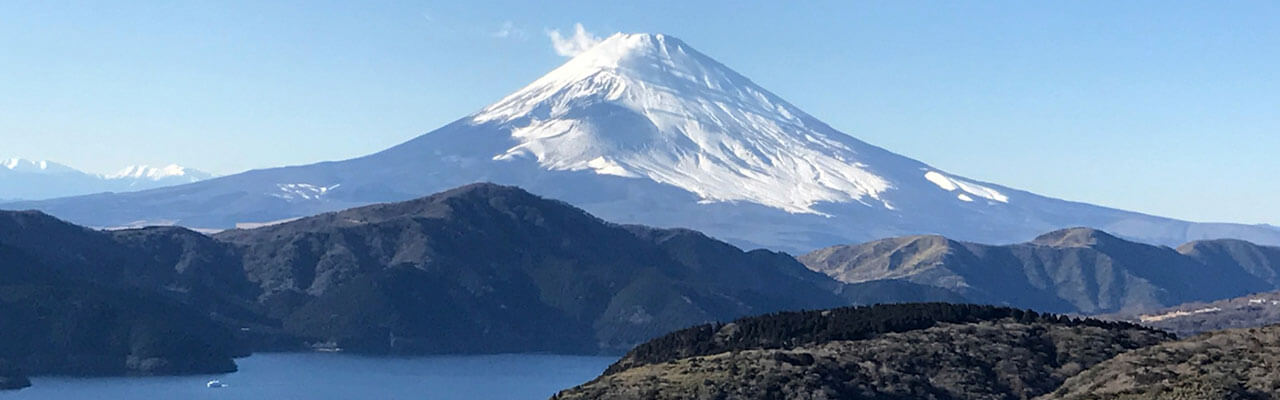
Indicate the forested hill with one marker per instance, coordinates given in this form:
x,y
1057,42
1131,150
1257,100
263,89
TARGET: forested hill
x,y
791,329
1237,364
890,352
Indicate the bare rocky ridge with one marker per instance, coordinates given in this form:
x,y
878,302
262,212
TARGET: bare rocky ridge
x,y
1076,270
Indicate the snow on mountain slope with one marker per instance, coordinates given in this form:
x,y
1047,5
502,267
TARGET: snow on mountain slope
x,y
29,179
966,188
169,172
744,143
18,165
644,129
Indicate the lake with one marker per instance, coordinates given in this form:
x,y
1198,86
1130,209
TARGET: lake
x,y
339,376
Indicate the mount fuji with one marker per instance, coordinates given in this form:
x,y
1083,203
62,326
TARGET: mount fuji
x,y
642,128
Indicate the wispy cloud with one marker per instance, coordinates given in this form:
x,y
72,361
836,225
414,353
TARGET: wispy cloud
x,y
509,30
573,44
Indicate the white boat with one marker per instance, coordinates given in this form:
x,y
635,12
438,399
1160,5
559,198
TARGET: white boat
x,y
215,384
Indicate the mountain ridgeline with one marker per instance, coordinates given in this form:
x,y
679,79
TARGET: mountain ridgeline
x,y
487,268
1077,270
478,269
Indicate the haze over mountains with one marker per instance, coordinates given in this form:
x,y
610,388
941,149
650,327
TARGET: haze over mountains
x,y
36,180
644,129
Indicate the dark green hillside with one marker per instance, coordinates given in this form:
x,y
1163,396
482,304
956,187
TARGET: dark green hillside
x,y
176,263
54,324
787,329
488,268
12,377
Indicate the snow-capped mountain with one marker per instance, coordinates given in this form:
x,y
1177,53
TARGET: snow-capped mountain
x,y
694,114
18,166
29,179
644,129
170,174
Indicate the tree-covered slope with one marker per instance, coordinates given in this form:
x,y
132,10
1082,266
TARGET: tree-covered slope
x,y
12,377
908,351
1230,365
54,322
488,268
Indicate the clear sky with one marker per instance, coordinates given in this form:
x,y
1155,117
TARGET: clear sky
x,y
1165,107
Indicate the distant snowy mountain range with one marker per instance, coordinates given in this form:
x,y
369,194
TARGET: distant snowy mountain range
x,y
37,180
644,129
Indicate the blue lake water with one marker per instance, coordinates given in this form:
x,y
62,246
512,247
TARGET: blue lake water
x,y
338,376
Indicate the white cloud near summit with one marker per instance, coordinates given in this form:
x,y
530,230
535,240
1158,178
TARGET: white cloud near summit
x,y
573,44
509,30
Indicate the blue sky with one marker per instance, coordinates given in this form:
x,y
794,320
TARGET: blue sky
x,y
1165,107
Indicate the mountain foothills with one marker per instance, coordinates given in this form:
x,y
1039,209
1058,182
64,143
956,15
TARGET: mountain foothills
x,y
1077,270
645,129
907,351
37,180
1251,311
1246,311
478,269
